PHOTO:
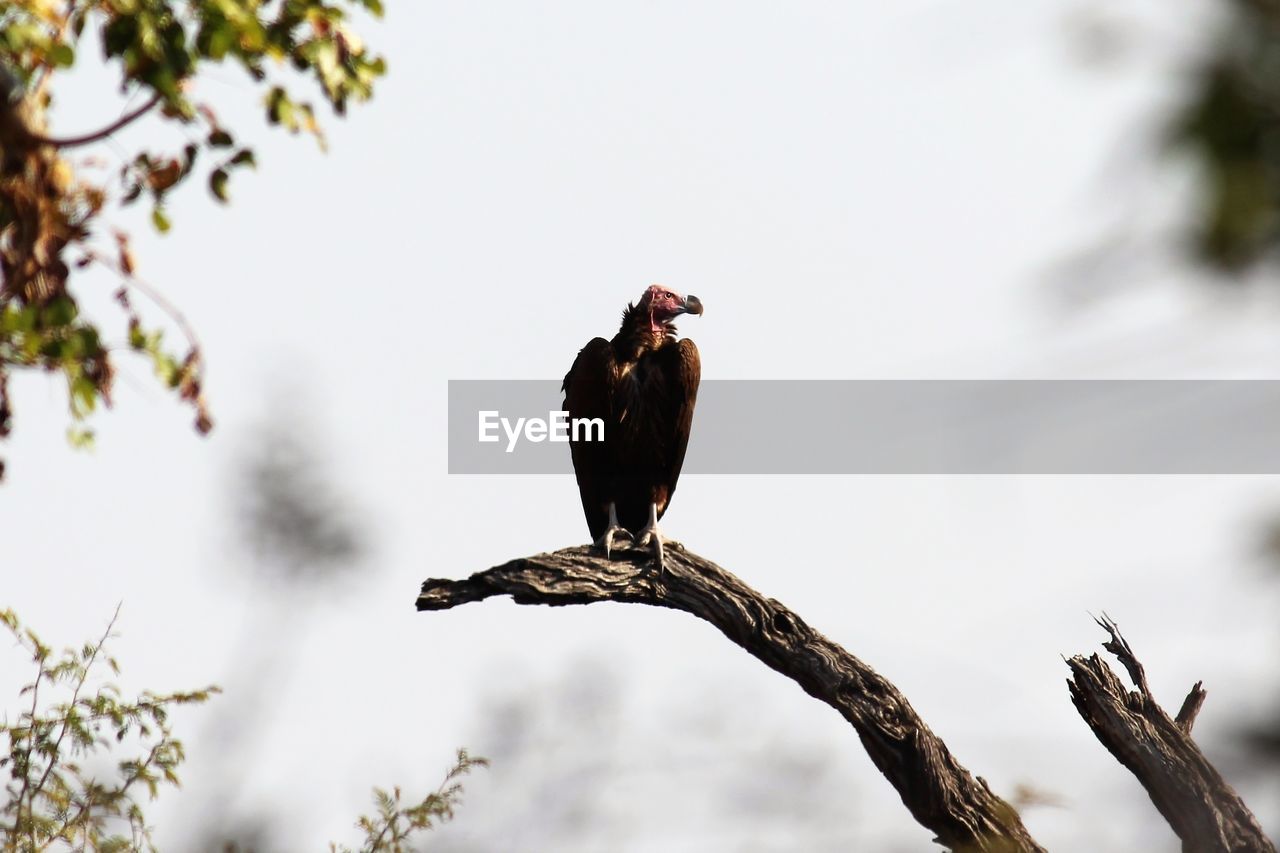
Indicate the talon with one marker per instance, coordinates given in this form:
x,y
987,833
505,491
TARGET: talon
x,y
606,539
651,535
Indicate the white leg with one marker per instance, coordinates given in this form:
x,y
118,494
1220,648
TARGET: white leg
x,y
650,534
606,540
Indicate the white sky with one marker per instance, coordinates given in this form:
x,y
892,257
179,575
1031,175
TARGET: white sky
x,y
854,190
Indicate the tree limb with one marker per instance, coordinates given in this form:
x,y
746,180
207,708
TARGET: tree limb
x,y
97,135
941,794
1192,796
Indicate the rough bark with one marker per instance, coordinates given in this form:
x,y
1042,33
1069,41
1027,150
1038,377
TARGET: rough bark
x,y
1192,796
943,796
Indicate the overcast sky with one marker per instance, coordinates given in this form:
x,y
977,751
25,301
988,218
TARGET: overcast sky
x,y
854,191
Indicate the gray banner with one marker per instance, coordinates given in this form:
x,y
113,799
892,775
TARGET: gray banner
x,y
907,427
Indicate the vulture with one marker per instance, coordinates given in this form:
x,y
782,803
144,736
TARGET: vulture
x,y
642,385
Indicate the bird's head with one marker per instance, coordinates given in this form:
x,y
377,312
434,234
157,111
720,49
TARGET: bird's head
x,y
663,305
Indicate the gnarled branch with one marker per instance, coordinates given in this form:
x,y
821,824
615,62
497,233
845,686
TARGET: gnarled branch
x,y
941,794
1192,796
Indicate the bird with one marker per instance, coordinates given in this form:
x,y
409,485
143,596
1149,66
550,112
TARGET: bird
x,y
643,385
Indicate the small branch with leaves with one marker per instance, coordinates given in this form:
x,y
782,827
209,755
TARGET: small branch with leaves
x,y
52,205
51,798
53,802
396,825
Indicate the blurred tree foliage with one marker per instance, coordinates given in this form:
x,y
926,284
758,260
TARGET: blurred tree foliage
x,y
55,211
395,826
1231,124
60,795
1259,737
299,526
57,797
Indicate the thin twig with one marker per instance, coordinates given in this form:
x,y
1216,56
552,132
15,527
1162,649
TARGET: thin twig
x,y
75,695
1124,653
97,135
26,775
153,294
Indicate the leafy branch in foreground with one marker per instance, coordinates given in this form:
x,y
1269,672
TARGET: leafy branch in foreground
x,y
59,791
392,828
52,208
64,791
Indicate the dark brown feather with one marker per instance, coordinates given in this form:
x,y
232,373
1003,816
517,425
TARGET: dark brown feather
x,y
644,387
587,394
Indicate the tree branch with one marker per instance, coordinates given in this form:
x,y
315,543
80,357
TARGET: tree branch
x,y
940,794
1191,707
97,135
1192,796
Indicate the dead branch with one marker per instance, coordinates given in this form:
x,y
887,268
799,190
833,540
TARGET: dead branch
x,y
1192,796
941,794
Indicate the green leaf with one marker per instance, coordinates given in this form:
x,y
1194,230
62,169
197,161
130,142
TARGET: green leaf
x,y
119,35
84,396
160,220
59,312
280,108
62,55
218,184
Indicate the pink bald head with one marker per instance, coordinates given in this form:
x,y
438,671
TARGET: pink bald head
x,y
665,304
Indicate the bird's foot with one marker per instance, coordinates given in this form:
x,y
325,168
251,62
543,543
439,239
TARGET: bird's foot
x,y
607,539
651,536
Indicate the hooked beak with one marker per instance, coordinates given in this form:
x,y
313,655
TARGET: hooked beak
x,y
692,305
